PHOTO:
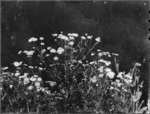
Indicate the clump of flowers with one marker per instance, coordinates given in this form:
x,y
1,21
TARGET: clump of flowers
x,y
69,78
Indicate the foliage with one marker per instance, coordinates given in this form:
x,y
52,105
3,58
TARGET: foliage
x,y
70,78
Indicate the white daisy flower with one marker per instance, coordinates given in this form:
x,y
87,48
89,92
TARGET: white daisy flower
x,y
53,51
97,39
71,43
32,79
37,84
54,34
30,88
48,48
60,50
63,37
26,80
39,79
42,44
94,79
110,74
56,58
41,38
17,64
32,39
19,52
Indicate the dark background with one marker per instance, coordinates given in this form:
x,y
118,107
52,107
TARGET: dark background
x,y
122,26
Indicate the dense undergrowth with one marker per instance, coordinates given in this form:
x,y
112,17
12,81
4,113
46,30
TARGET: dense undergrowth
x,y
73,76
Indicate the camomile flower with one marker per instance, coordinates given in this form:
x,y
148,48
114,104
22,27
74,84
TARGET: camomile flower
x,y
24,76
41,63
53,51
111,88
26,80
37,84
10,86
42,44
101,69
35,76
17,64
63,37
89,37
107,63
54,34
110,74
98,50
19,52
115,54
79,61
100,54
71,38
92,54
25,64
60,50
17,74
119,84
92,62
82,37
101,60
128,81
101,75
120,75
31,67
40,68
97,39
73,34
30,88
71,43
33,39
38,89
47,55
32,79
43,89
138,64
108,70
41,38
56,58
94,79
39,79
29,53
48,48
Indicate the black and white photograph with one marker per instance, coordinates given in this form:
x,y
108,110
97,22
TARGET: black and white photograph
x,y
69,57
